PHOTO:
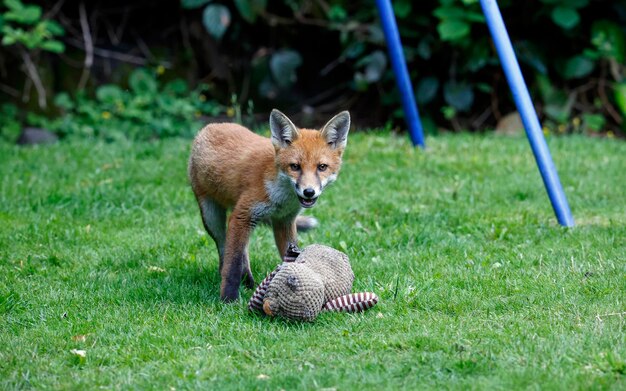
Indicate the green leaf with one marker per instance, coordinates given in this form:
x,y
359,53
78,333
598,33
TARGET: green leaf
x,y
608,38
529,53
560,107
177,87
283,65
54,27
375,65
479,55
424,49
619,93
14,5
566,17
8,111
484,87
402,8
53,46
337,13
249,9
109,93
191,4
472,16
30,15
427,90
458,95
453,30
594,122
448,112
142,82
354,50
8,40
245,10
216,19
63,101
449,12
32,41
549,93
557,113
577,67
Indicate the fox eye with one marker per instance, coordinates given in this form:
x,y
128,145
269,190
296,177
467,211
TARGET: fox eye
x,y
322,167
294,167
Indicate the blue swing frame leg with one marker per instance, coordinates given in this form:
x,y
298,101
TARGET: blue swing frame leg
x,y
527,111
398,63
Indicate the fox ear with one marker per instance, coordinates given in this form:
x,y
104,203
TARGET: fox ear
x,y
284,132
336,130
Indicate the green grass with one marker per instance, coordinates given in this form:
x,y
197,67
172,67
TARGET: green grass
x,y
102,250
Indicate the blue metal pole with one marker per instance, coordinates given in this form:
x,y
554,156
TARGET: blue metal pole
x,y
527,112
398,63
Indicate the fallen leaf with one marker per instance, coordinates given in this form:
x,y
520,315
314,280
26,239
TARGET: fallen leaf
x,y
78,352
79,338
262,377
156,269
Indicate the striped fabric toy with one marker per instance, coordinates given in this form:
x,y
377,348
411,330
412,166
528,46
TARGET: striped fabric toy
x,y
352,302
256,301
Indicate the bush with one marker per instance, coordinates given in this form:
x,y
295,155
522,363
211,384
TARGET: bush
x,y
319,57
146,110
572,52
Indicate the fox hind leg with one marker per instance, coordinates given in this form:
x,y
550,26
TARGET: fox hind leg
x,y
214,221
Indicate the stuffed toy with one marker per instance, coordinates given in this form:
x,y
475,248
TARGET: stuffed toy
x,y
318,278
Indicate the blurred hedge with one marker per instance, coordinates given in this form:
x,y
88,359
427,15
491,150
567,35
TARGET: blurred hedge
x,y
313,58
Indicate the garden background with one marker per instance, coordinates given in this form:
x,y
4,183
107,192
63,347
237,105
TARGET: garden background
x,y
94,69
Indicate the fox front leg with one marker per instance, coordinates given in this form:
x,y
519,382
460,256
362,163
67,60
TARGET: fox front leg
x,y
285,232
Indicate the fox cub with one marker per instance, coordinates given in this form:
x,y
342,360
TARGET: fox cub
x,y
262,181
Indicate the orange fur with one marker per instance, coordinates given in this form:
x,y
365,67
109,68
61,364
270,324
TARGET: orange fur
x,y
231,168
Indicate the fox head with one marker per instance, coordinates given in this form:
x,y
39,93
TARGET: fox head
x,y
310,159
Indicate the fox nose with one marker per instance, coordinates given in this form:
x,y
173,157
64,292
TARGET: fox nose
x,y
308,192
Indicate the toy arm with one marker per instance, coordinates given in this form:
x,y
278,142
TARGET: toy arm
x,y
256,301
353,302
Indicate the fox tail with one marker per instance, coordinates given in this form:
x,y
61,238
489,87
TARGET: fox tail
x,y
306,223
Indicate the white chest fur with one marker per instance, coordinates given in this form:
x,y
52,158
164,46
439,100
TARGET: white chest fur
x,y
283,201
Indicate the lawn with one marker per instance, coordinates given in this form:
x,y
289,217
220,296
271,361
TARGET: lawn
x,y
102,250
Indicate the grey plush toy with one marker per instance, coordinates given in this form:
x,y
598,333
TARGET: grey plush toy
x,y
315,279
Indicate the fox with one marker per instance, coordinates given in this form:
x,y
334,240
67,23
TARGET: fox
x,y
259,180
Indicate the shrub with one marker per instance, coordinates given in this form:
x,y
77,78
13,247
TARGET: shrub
x,y
315,56
572,52
146,110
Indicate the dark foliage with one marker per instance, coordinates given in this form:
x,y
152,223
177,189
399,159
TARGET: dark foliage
x,y
313,58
